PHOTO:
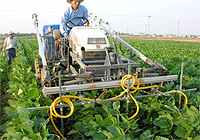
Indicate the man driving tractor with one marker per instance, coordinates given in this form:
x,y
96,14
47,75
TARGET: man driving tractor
x,y
76,15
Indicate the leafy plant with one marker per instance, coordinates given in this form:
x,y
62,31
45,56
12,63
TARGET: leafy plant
x,y
159,117
108,123
24,93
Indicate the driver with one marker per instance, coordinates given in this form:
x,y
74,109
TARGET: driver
x,y
75,10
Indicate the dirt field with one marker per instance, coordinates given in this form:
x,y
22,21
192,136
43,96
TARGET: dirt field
x,y
162,38
1,40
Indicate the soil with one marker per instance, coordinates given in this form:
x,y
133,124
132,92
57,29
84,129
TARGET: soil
x,y
162,38
1,40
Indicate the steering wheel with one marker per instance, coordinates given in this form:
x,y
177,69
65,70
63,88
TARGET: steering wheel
x,y
71,21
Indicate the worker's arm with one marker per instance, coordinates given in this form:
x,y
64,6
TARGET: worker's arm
x,y
63,27
4,46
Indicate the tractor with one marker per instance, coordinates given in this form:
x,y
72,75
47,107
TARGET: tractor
x,y
87,59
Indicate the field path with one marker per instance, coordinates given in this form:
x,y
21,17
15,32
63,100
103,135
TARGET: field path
x,y
162,38
1,42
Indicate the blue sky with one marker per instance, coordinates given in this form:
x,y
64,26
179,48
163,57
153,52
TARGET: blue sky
x,y
125,16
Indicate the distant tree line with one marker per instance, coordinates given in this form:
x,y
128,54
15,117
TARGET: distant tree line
x,y
19,34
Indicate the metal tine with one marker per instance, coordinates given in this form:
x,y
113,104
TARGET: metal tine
x,y
112,100
61,103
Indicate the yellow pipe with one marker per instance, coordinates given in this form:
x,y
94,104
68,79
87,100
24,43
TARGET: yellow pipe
x,y
124,86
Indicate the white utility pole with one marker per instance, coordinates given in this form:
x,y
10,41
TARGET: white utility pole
x,y
178,28
149,25
127,29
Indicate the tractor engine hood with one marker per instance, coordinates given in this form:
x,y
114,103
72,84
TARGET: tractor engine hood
x,y
89,37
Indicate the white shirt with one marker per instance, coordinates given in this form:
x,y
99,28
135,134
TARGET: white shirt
x,y
10,43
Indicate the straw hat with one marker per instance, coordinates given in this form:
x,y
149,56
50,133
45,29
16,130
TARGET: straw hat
x,y
10,33
69,1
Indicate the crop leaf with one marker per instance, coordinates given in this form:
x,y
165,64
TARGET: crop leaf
x,y
162,122
10,111
16,135
33,136
108,121
10,130
99,136
180,132
107,110
15,121
195,124
108,134
90,133
116,131
155,106
146,135
98,118
116,105
12,103
27,126
20,92
23,113
161,138
196,138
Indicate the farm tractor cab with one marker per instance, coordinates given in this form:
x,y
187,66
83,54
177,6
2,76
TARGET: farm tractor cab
x,y
86,60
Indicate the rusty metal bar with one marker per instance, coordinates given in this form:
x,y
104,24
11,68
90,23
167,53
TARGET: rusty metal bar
x,y
73,70
83,66
107,84
83,75
115,66
57,61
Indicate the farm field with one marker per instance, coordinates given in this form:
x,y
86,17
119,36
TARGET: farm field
x,y
159,118
1,40
163,38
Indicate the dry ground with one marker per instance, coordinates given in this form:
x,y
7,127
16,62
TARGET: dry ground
x,y
162,38
1,40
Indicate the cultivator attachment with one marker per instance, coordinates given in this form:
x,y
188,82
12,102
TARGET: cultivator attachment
x,y
87,61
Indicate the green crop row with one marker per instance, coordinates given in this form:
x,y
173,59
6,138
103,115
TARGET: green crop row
x,y
3,73
159,117
23,91
3,84
171,54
